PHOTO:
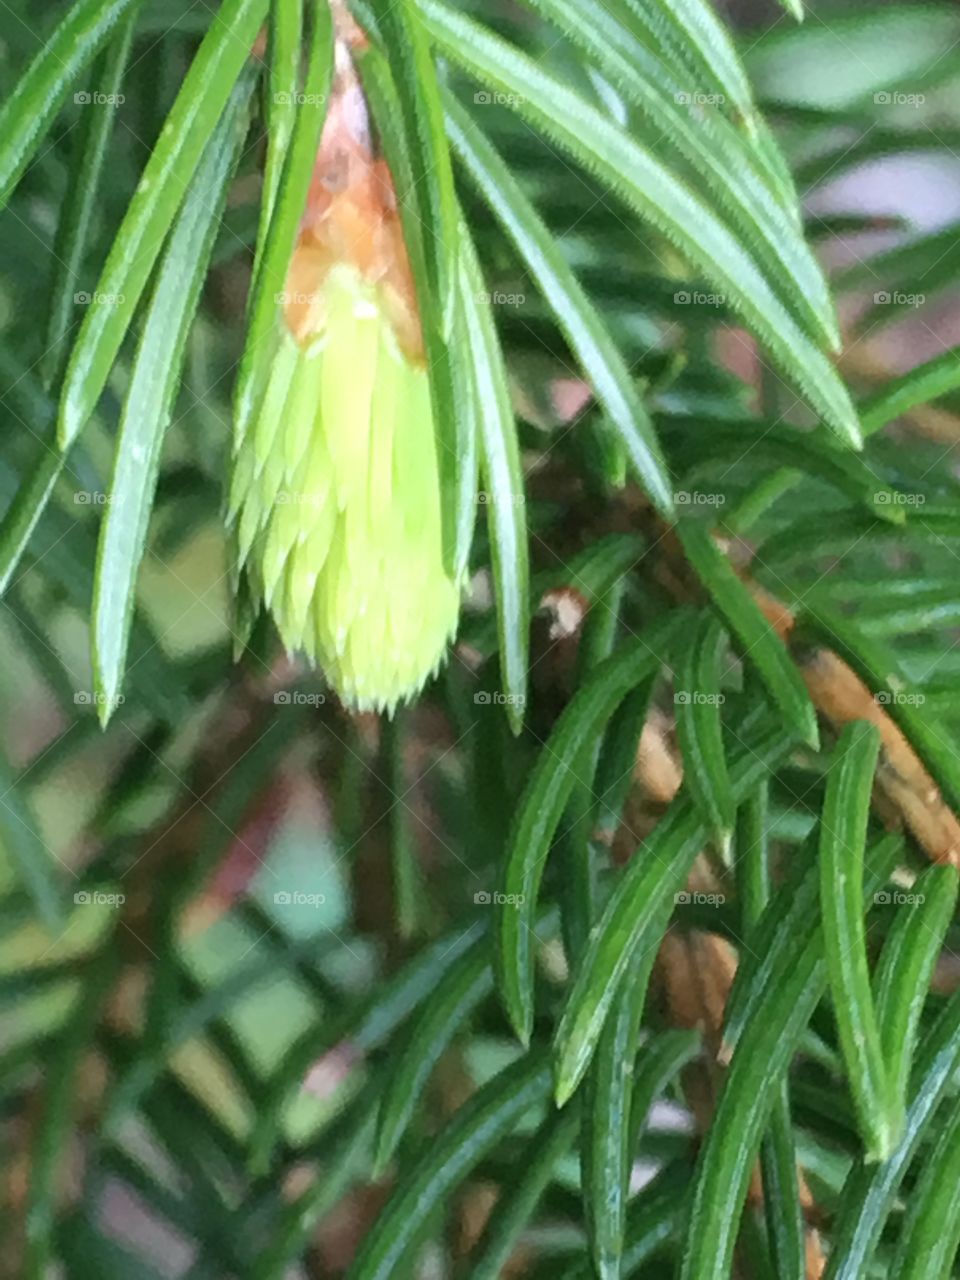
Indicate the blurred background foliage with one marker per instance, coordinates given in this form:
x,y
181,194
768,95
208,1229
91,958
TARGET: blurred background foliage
x,y
248,1024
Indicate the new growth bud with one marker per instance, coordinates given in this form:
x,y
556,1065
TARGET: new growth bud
x,y
335,489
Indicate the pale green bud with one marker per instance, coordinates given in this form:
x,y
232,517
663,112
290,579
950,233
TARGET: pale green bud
x,y
336,499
